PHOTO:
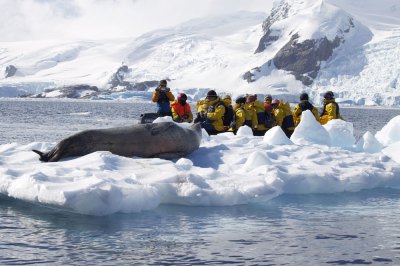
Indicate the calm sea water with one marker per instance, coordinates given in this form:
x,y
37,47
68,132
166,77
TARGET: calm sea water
x,y
328,229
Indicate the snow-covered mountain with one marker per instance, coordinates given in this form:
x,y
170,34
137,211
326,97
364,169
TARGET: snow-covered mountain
x,y
349,47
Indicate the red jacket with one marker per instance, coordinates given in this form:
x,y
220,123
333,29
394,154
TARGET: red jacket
x,y
181,112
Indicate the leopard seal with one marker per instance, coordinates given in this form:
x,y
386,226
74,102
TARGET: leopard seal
x,y
163,140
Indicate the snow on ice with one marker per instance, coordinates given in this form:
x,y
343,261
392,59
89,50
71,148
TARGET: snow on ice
x,y
226,170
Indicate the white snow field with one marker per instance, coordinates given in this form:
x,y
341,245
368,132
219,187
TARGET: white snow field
x,y
213,51
225,170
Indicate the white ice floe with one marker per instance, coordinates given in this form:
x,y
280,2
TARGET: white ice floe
x,y
390,132
310,131
368,143
341,133
226,170
276,136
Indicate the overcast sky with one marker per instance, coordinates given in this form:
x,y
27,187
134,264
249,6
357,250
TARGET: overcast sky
x,y
93,19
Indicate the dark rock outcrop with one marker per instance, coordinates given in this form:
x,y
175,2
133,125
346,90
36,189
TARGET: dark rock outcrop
x,y
74,91
10,71
118,78
278,13
303,59
118,81
300,58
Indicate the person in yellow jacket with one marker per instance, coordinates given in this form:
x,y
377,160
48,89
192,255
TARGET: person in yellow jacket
x,y
181,110
267,99
283,116
201,110
302,106
240,114
251,113
229,112
261,116
330,109
162,95
213,123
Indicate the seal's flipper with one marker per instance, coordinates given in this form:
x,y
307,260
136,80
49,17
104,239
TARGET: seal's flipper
x,y
42,155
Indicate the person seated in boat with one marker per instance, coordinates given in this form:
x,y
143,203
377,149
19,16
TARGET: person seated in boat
x,y
267,99
201,110
301,107
330,110
162,95
213,123
250,111
240,114
283,116
229,112
181,109
261,115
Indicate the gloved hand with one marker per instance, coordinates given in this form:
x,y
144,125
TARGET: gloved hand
x,y
158,89
167,89
211,109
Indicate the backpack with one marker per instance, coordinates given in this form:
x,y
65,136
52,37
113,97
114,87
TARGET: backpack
x,y
227,118
288,121
269,121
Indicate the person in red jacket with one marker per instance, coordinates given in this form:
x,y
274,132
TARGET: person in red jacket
x,y
181,110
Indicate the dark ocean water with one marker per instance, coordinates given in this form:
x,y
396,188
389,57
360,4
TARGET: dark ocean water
x,y
317,229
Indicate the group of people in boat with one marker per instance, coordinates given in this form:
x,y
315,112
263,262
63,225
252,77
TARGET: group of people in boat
x,y
218,114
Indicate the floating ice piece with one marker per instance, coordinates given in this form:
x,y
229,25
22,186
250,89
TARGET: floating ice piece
x,y
276,136
163,119
310,131
393,151
368,143
341,133
390,132
244,131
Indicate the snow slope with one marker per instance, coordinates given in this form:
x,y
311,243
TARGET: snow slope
x,y
215,52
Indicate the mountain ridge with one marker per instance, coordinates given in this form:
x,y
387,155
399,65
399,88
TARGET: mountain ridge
x,y
216,52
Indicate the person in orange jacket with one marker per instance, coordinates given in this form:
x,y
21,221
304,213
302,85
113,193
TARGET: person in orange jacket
x,y
162,96
181,109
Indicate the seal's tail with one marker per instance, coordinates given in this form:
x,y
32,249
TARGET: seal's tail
x,y
43,156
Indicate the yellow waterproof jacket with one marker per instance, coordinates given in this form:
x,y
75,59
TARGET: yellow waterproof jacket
x,y
298,110
330,112
260,110
251,114
215,117
156,94
240,118
281,112
181,113
202,105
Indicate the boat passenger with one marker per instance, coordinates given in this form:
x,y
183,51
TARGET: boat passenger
x,y
181,109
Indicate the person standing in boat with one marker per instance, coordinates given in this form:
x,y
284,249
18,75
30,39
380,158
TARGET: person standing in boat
x,y
163,96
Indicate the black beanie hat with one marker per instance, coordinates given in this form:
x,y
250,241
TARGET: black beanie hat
x,y
211,93
303,96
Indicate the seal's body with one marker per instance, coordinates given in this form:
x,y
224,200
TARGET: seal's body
x,y
163,140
